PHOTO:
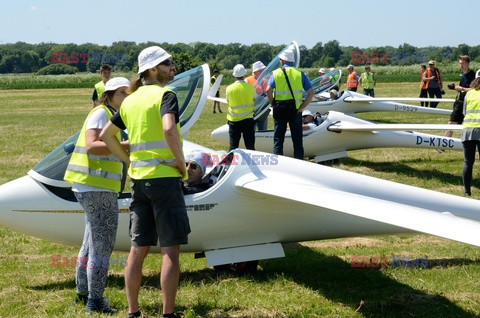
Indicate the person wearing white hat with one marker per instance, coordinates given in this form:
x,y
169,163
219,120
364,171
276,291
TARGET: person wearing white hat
x,y
97,194
257,69
433,82
288,104
241,97
308,120
197,162
321,72
352,78
156,167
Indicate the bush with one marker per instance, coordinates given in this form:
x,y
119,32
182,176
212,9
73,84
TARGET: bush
x,y
57,69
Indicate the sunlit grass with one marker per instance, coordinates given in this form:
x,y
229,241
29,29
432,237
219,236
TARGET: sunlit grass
x,y
316,279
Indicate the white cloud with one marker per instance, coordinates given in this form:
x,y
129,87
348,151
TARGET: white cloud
x,y
34,8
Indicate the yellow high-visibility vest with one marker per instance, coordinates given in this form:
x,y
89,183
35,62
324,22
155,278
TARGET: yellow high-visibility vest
x,y
149,151
240,101
103,171
368,81
100,88
472,116
282,91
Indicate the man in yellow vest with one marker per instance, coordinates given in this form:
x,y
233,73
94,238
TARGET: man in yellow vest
x,y
368,81
105,73
213,79
157,168
470,133
241,97
288,104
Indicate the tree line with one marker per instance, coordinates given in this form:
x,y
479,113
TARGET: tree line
x,y
21,57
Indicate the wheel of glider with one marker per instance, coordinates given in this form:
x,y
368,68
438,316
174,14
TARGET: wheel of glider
x,y
238,268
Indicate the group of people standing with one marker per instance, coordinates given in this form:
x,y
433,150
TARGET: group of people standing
x,y
156,166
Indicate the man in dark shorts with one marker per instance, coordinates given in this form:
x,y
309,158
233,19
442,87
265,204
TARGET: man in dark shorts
x,y
157,166
456,117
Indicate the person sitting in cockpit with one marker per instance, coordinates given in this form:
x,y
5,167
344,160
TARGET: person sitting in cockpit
x,y
333,94
197,162
308,120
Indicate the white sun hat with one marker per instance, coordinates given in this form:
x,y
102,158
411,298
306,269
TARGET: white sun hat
x,y
257,66
239,70
151,57
115,83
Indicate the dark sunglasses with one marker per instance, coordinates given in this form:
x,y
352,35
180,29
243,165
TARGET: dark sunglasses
x,y
167,62
191,164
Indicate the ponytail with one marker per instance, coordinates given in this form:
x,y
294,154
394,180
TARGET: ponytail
x,y
136,83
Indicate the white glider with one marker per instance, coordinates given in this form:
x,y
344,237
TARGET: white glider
x,y
338,133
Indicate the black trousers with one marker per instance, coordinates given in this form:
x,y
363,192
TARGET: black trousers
x,y
244,127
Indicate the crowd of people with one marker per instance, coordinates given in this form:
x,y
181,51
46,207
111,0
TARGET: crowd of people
x,y
161,174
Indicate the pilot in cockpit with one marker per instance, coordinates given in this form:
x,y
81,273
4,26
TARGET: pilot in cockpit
x,y
197,162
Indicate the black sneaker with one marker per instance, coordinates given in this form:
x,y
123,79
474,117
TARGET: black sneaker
x,y
80,298
99,305
137,314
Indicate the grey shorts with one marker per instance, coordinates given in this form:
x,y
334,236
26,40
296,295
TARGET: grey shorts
x,y
158,213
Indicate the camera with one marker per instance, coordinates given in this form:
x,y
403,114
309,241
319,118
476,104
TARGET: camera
x,y
451,86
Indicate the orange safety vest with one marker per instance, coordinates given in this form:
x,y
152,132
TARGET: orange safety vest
x,y
428,75
351,81
423,84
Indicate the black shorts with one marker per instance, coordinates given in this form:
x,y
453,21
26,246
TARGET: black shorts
x,y
158,213
457,113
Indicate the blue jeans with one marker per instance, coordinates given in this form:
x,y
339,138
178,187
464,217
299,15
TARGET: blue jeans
x,y
280,128
434,92
369,92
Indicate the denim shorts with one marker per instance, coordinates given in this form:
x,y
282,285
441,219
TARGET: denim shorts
x,y
158,213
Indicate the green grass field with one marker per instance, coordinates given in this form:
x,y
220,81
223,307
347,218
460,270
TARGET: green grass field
x,y
315,279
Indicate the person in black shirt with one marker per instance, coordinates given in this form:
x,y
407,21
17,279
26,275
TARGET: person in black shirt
x,y
456,117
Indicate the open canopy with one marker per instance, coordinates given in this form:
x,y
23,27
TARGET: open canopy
x,y
191,88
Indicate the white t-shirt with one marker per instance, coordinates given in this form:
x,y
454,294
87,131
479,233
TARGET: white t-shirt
x,y
97,120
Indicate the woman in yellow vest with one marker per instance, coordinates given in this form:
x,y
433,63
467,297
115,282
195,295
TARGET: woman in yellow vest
x,y
241,97
157,166
105,73
96,176
470,133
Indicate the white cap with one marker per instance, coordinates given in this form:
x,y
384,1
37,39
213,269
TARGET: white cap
x,y
322,70
239,70
307,112
477,74
201,158
287,55
257,66
332,69
151,57
333,91
115,83
349,66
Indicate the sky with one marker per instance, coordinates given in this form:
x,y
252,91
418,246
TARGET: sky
x,y
353,23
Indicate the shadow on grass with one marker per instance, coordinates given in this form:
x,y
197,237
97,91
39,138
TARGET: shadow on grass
x,y
329,276
335,279
402,168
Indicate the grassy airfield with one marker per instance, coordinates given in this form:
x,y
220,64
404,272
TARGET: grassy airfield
x,y
316,279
